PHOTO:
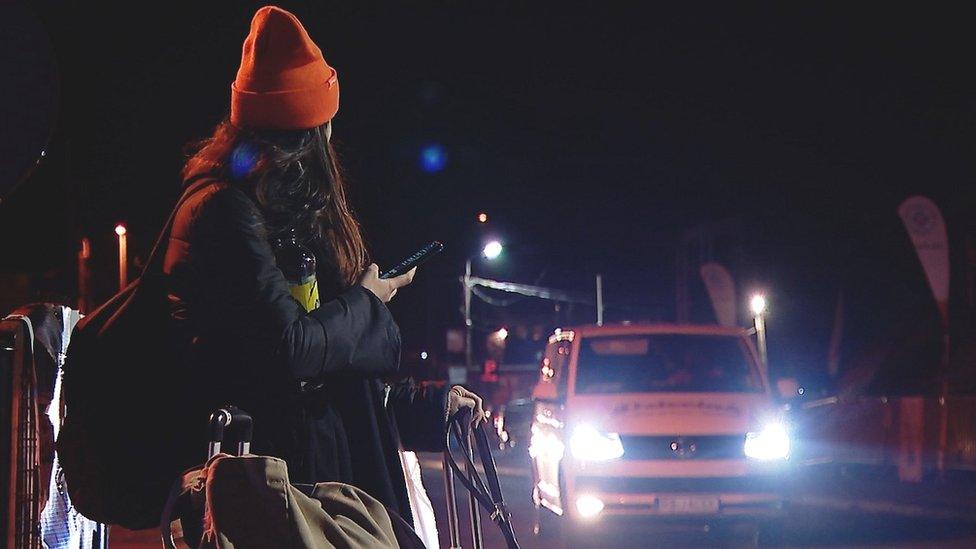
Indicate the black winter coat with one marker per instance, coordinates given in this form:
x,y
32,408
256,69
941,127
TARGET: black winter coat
x,y
252,343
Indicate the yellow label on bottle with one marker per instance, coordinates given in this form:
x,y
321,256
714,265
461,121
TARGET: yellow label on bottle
x,y
307,293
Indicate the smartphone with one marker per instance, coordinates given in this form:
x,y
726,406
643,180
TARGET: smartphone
x,y
415,259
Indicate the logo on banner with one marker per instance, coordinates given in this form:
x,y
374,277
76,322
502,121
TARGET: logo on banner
x,y
921,218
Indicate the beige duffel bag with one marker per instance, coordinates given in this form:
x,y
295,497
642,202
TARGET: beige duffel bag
x,y
247,502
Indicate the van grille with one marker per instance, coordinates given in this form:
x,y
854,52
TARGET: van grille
x,y
641,485
682,447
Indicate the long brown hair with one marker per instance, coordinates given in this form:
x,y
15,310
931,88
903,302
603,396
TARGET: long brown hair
x,y
295,179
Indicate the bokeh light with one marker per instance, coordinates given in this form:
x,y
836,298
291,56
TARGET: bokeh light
x,y
433,158
243,159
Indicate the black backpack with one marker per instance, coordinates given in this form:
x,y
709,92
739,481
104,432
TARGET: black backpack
x,y
129,401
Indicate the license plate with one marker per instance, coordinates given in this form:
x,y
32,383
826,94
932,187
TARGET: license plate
x,y
687,506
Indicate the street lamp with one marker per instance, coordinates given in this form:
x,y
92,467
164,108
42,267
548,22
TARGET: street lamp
x,y
123,257
758,306
491,251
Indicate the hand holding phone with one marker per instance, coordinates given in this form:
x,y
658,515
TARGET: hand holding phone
x,y
384,289
384,286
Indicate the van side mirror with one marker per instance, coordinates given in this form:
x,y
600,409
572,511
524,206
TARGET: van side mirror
x,y
788,388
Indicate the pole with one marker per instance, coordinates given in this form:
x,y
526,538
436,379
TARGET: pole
x,y
681,280
123,258
943,407
761,339
452,510
599,300
836,334
84,299
468,355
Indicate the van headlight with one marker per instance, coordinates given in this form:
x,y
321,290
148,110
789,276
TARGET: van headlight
x,y
588,444
769,443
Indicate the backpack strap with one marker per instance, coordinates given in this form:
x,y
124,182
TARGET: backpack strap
x,y
154,264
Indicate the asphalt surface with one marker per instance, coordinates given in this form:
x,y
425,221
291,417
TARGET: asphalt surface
x,y
814,520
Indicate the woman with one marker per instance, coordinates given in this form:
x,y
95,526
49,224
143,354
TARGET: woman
x,y
312,379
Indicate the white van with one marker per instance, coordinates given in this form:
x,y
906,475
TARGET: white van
x,y
656,420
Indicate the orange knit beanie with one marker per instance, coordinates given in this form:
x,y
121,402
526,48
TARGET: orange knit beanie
x,y
284,82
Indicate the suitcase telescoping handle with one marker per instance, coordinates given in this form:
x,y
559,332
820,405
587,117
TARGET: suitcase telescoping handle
x,y
230,417
488,496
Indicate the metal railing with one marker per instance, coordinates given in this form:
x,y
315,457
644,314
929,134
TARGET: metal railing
x,y
898,432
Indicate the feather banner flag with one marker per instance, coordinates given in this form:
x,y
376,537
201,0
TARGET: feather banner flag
x,y
927,229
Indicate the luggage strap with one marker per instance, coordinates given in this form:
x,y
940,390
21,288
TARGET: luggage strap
x,y
154,263
487,492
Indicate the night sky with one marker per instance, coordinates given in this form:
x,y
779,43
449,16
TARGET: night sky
x,y
593,136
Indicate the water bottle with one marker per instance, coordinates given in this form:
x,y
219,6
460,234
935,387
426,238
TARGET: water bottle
x,y
297,263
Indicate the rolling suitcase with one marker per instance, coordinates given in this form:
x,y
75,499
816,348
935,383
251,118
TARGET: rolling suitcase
x,y
482,493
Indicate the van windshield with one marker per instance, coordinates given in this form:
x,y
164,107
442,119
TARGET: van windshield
x,y
672,363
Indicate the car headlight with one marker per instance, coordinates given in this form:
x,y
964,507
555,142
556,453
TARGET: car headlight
x,y
588,444
589,506
772,442
545,444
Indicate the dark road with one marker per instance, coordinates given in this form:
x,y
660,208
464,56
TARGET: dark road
x,y
816,522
